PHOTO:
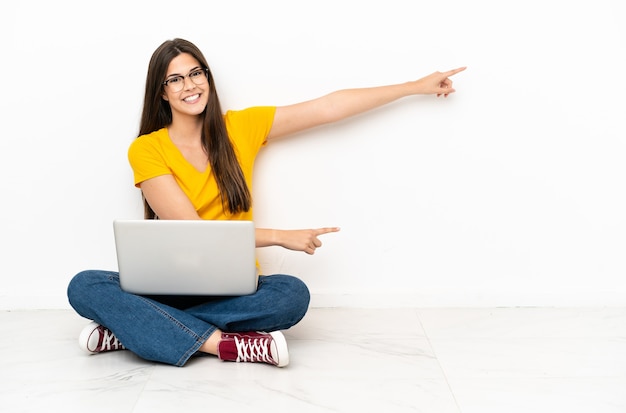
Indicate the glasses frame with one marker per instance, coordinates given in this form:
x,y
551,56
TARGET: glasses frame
x,y
166,83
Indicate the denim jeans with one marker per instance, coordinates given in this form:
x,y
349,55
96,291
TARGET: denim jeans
x,y
171,329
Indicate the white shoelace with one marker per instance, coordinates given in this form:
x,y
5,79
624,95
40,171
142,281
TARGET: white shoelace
x,y
253,350
110,341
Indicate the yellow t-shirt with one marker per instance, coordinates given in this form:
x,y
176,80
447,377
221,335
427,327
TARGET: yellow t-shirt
x,y
155,154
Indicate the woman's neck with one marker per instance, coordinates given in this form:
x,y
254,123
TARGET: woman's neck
x,y
186,131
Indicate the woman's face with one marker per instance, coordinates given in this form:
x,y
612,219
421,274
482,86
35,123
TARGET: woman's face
x,y
187,86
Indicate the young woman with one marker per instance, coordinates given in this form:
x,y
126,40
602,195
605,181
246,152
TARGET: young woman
x,y
192,161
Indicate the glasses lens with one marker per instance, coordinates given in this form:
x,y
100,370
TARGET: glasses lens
x,y
175,84
198,76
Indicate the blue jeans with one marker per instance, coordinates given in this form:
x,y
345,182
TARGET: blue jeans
x,y
171,329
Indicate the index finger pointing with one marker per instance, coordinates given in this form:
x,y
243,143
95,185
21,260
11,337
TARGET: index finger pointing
x,y
454,71
326,230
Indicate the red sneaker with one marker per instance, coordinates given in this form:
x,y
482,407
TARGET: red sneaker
x,y
95,339
260,347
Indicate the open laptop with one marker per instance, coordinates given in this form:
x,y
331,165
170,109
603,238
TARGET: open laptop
x,y
186,257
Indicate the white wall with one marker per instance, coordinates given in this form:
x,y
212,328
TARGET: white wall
x,y
510,192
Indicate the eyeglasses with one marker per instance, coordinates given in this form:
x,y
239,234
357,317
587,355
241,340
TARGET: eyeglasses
x,y
177,83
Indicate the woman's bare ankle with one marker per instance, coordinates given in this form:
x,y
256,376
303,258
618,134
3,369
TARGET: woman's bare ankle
x,y
210,345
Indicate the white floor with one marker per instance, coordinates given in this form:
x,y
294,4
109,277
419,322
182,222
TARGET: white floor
x,y
502,360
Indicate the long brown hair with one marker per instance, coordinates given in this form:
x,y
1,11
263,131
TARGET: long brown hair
x,y
157,114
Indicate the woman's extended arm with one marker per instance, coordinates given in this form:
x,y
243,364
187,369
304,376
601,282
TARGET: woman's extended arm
x,y
169,202
306,240
349,102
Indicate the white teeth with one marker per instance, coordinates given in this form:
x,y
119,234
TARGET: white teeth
x,y
190,98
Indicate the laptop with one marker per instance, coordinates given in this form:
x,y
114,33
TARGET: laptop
x,y
186,257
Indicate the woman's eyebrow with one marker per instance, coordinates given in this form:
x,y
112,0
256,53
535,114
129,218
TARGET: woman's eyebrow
x,y
178,74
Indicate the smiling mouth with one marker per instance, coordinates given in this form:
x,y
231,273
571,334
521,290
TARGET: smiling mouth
x,y
192,98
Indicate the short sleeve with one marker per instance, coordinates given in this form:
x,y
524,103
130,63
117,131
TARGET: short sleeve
x,y
146,159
